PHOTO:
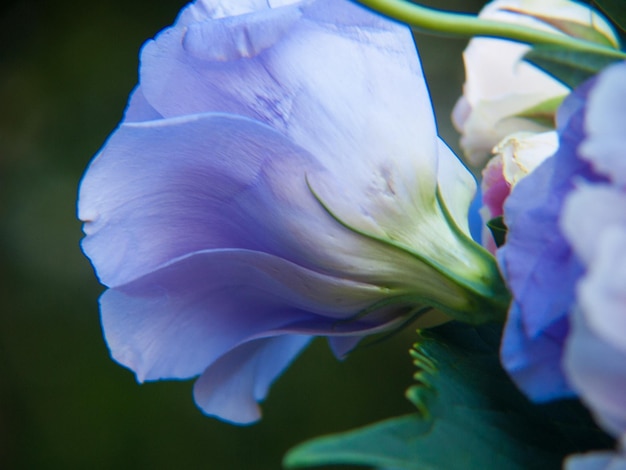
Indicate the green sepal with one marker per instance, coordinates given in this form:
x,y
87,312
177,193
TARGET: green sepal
x,y
498,230
483,295
468,415
544,112
571,67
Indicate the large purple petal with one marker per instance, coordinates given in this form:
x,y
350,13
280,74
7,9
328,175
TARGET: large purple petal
x,y
338,80
341,81
177,320
597,370
588,212
163,189
232,386
534,363
594,220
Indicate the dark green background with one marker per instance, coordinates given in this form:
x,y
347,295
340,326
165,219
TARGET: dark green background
x,y
66,69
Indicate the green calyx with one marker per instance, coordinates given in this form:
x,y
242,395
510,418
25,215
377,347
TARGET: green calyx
x,y
464,284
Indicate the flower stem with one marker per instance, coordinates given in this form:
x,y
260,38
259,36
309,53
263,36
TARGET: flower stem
x,y
466,25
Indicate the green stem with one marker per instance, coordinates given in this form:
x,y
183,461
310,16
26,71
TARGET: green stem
x,y
461,24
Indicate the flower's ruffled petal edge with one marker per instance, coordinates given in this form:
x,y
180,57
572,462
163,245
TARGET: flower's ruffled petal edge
x,y
162,189
534,363
538,263
233,385
588,211
604,146
595,222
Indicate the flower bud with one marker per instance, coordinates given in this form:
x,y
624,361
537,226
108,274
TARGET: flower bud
x,y
500,88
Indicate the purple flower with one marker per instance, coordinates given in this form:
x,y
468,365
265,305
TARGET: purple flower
x,y
565,260
277,176
594,222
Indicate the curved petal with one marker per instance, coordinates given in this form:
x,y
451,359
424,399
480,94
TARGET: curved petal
x,y
601,291
534,362
163,189
588,212
605,124
597,370
232,386
537,261
176,321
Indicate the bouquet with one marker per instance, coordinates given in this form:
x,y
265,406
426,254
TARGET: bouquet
x,y
278,176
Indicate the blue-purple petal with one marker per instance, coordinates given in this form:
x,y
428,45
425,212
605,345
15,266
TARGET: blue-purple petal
x,y
232,386
538,263
177,320
597,369
604,147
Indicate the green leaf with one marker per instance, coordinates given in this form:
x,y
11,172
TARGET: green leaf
x,y
568,66
615,10
468,415
498,230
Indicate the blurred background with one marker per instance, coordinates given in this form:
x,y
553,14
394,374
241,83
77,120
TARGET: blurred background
x,y
66,69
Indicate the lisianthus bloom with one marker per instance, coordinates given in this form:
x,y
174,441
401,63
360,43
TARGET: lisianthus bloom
x,y
594,223
277,176
565,256
503,94
515,157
